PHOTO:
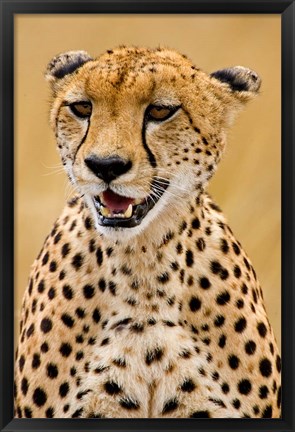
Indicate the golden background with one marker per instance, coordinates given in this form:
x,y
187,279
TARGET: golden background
x,y
247,183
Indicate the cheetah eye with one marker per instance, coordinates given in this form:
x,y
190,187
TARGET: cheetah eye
x,y
81,109
159,113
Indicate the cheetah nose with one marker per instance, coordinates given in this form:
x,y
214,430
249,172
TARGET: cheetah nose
x,y
109,168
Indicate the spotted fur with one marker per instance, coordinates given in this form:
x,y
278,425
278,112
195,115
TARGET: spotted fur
x,y
164,319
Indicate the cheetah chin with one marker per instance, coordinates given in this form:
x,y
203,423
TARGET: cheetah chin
x,y
114,210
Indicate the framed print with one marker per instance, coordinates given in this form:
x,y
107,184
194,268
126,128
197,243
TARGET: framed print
x,y
129,299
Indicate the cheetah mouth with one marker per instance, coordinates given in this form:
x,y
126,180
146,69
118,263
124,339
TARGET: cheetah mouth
x,y
115,210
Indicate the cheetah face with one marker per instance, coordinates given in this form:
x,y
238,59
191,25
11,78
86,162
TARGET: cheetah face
x,y
139,131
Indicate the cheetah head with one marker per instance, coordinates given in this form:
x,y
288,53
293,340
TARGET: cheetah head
x,y
141,130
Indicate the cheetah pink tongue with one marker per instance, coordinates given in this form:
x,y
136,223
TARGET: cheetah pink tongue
x,y
115,202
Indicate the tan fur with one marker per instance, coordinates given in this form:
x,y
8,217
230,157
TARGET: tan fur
x,y
165,319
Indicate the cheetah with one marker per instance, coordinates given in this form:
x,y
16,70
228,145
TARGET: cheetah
x,y
142,303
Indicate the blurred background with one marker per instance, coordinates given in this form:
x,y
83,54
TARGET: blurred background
x,y
247,183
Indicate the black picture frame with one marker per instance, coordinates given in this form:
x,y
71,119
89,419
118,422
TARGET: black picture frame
x,y
8,8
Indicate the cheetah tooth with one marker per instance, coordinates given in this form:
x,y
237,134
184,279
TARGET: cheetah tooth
x,y
104,211
128,212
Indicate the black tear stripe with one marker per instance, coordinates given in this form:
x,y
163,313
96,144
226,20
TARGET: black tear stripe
x,y
151,157
82,141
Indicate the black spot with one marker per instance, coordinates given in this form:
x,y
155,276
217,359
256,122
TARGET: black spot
x,y
236,248
267,413
49,413
195,304
215,376
88,223
153,355
28,412
200,414
64,389
109,251
96,315
224,246
30,330
225,388
65,349
126,270
244,386
170,405
105,341
223,298
189,258
41,286
200,243
188,385
204,283
233,361
80,312
62,275
250,347
256,409
217,402
240,303
67,292
77,413
65,250
112,388
113,288
45,258
215,267
222,341
79,355
219,321
137,328
129,404
120,362
102,284
24,386
223,274
265,367
163,278
254,295
77,261
67,320
36,361
46,325
263,392
99,256
240,325
236,404
57,237
179,248
244,288
52,266
262,330
52,370
44,347
51,293
39,397
195,223
237,271
185,353
88,291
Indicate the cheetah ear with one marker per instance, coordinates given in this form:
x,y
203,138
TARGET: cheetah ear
x,y
65,64
242,82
